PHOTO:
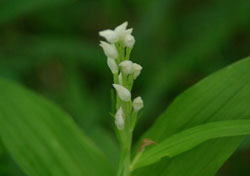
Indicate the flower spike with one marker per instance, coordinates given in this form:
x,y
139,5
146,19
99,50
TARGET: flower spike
x,y
118,46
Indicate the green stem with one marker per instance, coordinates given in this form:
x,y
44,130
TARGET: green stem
x,y
137,157
124,165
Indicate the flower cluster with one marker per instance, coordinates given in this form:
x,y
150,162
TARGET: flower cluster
x,y
117,48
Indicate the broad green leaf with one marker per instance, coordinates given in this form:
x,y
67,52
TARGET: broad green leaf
x,y
42,139
224,95
190,138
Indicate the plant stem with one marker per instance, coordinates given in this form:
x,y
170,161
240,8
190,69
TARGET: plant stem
x,y
136,158
124,165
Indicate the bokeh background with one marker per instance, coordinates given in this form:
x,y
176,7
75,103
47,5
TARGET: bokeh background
x,y
51,46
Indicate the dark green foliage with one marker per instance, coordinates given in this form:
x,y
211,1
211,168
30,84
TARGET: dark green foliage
x,y
52,47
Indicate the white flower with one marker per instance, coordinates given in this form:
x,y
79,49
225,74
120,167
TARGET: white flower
x,y
129,41
109,35
112,65
138,104
126,67
120,79
136,70
120,33
122,92
119,119
109,50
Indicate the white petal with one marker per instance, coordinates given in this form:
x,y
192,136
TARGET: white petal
x,y
109,35
109,50
121,27
122,92
112,65
121,31
129,31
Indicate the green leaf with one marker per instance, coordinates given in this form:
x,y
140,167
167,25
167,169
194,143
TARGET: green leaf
x,y
190,138
42,139
224,95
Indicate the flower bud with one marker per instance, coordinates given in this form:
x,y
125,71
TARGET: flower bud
x,y
112,65
129,41
138,104
136,70
126,67
119,119
122,92
109,35
109,50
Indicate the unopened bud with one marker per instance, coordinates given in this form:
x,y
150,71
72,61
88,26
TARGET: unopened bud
x,y
109,50
138,104
129,41
126,67
112,65
136,70
119,119
122,92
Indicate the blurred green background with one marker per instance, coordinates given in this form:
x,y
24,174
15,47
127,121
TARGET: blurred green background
x,y
51,46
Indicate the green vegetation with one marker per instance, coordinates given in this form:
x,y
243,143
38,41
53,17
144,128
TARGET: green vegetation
x,y
51,48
